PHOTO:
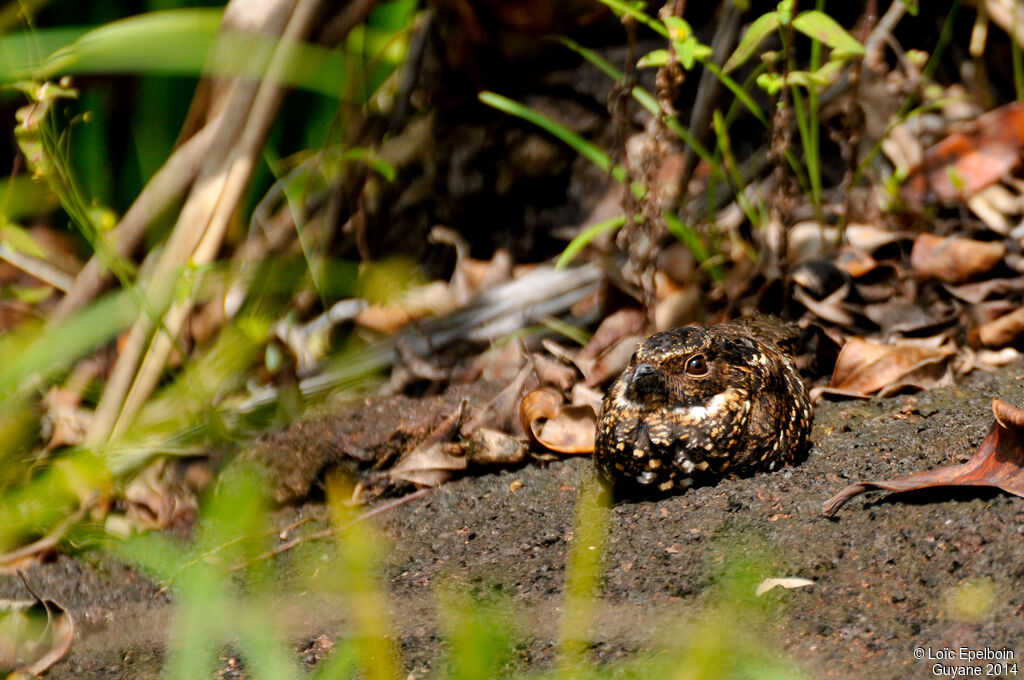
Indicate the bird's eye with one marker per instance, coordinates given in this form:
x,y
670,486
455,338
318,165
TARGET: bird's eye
x,y
696,366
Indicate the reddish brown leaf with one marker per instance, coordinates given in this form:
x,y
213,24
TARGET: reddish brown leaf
x,y
954,259
864,368
966,162
998,462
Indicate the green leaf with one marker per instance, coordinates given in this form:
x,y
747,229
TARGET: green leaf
x,y
653,59
785,11
820,26
770,83
823,77
694,243
913,7
762,27
691,51
18,239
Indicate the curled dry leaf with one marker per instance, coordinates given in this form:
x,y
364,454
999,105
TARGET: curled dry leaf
x,y
966,162
864,368
954,259
998,462
34,635
548,423
787,582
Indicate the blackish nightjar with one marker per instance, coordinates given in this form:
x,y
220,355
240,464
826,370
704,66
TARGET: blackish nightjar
x,y
698,404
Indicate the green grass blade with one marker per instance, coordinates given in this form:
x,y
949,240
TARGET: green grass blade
x,y
585,237
695,244
589,151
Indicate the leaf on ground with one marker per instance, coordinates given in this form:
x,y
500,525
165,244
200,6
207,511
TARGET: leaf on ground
x,y
487,446
554,372
785,582
966,162
954,259
983,290
856,262
432,461
870,238
501,412
998,462
864,368
613,361
832,308
556,427
34,635
999,332
899,316
621,324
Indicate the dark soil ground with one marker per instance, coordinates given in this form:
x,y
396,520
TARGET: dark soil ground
x,y
892,573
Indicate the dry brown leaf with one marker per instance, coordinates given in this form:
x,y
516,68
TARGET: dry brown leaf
x,y
966,162
869,238
432,461
898,315
998,462
678,308
498,364
613,361
582,394
613,329
954,259
565,429
501,412
487,446
855,262
471,276
864,368
551,372
982,290
809,240
831,309
999,332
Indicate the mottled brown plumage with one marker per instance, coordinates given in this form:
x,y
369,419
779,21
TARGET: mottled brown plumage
x,y
697,404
